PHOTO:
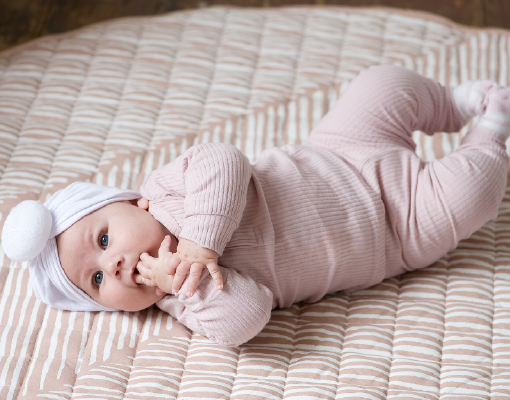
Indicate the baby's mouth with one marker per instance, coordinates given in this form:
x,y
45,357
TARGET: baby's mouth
x,y
135,272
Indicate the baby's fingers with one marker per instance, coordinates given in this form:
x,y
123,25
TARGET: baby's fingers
x,y
147,260
164,248
172,264
194,276
145,275
215,272
180,274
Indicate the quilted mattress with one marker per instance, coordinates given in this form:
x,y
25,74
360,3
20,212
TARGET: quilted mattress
x,y
113,101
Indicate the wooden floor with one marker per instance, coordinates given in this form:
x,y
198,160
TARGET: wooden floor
x,y
23,20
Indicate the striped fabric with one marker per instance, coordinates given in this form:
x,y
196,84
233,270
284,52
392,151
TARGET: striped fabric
x,y
111,102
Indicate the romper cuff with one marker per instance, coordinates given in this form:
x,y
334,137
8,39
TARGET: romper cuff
x,y
209,231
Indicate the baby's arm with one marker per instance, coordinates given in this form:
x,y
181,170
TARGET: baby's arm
x,y
189,258
212,179
229,317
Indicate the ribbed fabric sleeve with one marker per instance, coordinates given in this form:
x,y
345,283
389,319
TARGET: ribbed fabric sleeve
x,y
213,180
231,316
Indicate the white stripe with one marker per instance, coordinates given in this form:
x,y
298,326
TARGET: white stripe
x,y
483,44
416,140
112,330
473,62
431,64
446,145
157,324
228,131
35,354
239,131
162,155
504,51
463,63
205,137
270,138
6,291
169,322
26,341
10,324
95,340
441,76
249,147
70,328
102,378
126,174
123,331
332,95
134,328
318,107
261,128
149,161
291,122
216,135
280,126
83,344
353,392
453,66
146,326
418,349
161,377
136,172
304,125
184,145
429,151
415,374
246,394
493,56
419,66
112,176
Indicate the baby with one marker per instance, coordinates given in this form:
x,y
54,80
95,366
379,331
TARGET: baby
x,y
353,206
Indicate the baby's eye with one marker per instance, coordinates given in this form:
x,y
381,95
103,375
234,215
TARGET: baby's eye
x,y
103,240
98,278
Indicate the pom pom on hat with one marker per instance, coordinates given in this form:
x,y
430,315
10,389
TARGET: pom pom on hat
x,y
26,230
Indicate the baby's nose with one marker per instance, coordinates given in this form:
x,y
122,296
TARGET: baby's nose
x,y
115,267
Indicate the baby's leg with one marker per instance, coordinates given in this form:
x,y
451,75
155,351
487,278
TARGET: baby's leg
x,y
385,104
432,206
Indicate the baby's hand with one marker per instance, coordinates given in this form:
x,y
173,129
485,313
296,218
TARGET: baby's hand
x,y
153,270
192,258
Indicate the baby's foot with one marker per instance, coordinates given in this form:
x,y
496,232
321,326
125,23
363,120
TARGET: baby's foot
x,y
497,115
471,98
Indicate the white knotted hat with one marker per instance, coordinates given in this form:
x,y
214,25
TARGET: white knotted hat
x,y
29,235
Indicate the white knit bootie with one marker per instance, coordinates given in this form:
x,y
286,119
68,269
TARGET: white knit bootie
x,y
471,98
497,114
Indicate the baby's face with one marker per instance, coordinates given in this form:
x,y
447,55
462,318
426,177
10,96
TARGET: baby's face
x,y
99,254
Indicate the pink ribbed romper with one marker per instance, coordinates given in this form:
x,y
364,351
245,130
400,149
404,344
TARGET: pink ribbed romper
x,y
353,206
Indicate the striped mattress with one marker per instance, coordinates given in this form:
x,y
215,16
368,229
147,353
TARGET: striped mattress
x,y
113,101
